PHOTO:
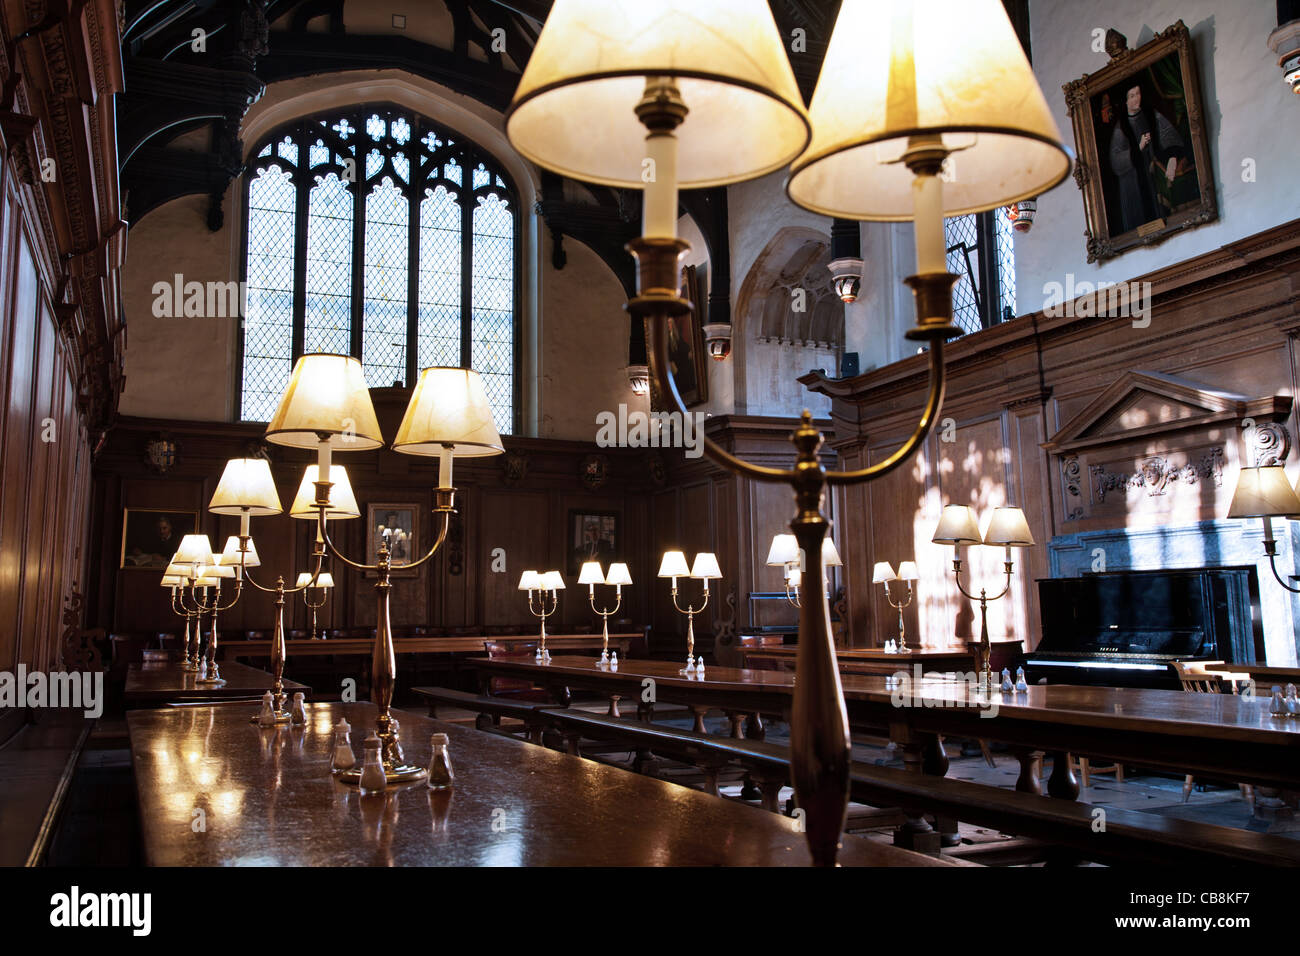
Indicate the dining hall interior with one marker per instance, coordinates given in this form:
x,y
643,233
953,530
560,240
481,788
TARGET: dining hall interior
x,y
825,432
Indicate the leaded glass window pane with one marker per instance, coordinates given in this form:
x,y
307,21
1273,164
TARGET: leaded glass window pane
x,y
383,307
268,322
963,261
439,331
492,298
328,319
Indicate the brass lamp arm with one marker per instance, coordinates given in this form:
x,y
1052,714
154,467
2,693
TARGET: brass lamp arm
x,y
931,411
908,603
239,589
690,608
956,567
1272,563
325,536
617,604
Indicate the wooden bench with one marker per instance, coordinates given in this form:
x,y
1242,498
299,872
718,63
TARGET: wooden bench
x,y
490,710
1101,834
37,763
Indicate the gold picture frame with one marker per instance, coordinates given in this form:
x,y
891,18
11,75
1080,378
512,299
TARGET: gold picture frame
x,y
1143,154
150,536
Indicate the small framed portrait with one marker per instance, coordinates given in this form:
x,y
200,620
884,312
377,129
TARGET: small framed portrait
x,y
593,536
150,536
394,524
1144,157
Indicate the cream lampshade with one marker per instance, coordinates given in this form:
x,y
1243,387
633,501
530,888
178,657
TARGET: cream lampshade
x,y
213,574
323,580
794,578
895,69
830,557
246,488
172,581
230,554
591,573
1264,492
618,574
530,581
884,571
674,565
551,581
784,550
907,571
194,549
448,416
179,570
957,526
589,69
343,503
327,399
1008,526
706,567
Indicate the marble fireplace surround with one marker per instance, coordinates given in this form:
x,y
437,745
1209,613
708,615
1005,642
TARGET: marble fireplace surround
x,y
1144,476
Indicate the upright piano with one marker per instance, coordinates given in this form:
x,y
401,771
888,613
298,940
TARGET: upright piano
x,y
1121,629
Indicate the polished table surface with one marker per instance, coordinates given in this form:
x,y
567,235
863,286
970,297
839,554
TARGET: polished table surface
x,y
863,653
1161,728
269,799
160,681
465,644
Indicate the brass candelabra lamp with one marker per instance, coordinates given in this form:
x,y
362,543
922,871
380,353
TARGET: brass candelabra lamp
x,y
1008,529
704,568
699,95
172,578
326,406
884,574
591,575
786,554
541,584
323,583
202,571
1263,492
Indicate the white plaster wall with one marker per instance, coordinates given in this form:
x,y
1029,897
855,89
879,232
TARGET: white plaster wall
x,y
1249,113
177,367
584,350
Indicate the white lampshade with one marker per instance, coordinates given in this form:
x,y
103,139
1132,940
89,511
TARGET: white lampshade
x,y
230,554
784,550
618,574
178,570
706,566
674,565
830,557
899,68
246,487
1008,526
530,581
172,581
323,580
794,578
591,573
907,571
957,526
1263,491
449,407
212,573
327,396
884,571
551,581
343,503
194,549
573,111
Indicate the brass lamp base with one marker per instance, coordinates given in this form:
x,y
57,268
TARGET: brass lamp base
x,y
281,717
210,681
401,773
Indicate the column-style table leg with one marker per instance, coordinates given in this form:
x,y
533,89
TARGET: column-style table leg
x,y
1031,770
935,764
916,832
1062,784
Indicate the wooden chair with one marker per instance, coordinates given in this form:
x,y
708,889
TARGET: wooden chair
x,y
511,687
1196,679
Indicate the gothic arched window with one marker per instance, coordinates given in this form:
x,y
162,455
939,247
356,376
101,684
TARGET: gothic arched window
x,y
376,233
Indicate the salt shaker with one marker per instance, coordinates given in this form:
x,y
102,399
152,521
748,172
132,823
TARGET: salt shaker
x,y
699,667
266,716
298,715
1277,707
440,773
1021,685
343,758
613,661
1007,686
372,769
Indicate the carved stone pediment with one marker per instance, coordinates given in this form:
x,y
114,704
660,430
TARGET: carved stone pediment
x,y
1153,448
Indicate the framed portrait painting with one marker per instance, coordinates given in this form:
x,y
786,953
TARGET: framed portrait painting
x,y
593,536
396,524
1143,155
150,536
686,354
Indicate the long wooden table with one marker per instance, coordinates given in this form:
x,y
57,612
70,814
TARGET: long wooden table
x,y
156,682
232,648
268,798
865,660
1212,735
